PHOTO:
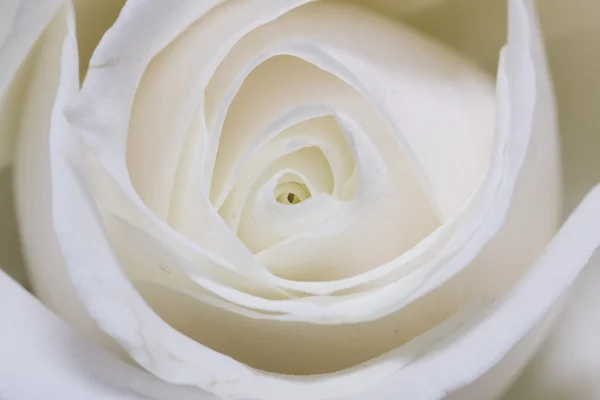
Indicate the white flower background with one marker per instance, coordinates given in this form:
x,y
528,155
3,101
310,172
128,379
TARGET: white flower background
x,y
569,360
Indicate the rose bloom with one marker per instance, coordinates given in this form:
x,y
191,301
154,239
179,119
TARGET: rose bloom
x,y
295,199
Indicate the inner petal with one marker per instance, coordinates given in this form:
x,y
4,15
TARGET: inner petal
x,y
268,220
259,98
307,146
364,158
300,176
388,216
283,136
408,77
392,202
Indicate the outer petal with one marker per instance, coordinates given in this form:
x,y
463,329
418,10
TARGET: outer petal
x,y
21,24
568,364
135,307
121,312
26,22
11,259
509,326
8,9
53,78
42,358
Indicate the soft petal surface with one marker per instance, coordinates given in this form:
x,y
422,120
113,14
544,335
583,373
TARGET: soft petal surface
x,y
568,363
37,346
53,79
135,196
509,321
21,24
7,11
120,311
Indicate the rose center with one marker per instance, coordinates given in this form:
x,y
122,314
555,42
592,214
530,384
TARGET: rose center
x,y
290,193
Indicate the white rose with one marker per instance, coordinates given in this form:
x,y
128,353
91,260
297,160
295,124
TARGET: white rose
x,y
278,199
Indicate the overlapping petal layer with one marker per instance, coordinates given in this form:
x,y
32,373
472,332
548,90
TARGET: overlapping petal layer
x,y
193,131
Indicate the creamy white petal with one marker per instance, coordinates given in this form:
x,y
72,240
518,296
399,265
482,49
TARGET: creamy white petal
x,y
54,79
44,358
262,226
509,320
525,116
256,121
566,364
399,83
215,236
23,26
540,160
285,135
521,317
8,10
217,232
250,48
120,310
94,270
